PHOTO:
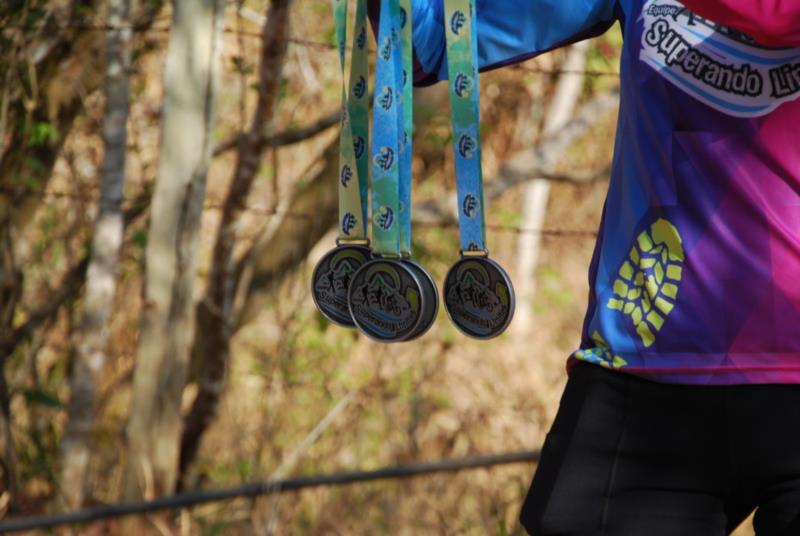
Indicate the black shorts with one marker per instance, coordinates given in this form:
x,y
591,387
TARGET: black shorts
x,y
631,457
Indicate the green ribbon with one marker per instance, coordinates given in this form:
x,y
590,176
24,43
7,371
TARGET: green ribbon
x,y
354,135
387,131
406,146
462,66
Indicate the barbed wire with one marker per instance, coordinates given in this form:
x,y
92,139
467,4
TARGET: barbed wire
x,y
275,212
270,487
300,41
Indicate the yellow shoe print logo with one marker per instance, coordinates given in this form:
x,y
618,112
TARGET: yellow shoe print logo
x,y
601,353
647,286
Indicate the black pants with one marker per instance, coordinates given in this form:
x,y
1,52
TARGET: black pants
x,y
630,457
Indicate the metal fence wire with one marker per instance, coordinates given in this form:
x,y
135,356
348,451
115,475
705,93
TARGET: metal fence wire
x,y
270,487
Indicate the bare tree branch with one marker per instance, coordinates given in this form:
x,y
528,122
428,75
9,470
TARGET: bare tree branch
x,y
287,137
167,323
101,281
532,163
536,193
214,315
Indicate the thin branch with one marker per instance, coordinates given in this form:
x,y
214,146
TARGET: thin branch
x,y
68,289
534,163
287,137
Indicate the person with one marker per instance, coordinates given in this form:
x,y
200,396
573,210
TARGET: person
x,y
681,413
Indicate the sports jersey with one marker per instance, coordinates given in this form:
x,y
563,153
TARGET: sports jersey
x,y
695,277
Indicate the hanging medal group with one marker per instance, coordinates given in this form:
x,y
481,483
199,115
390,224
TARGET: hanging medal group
x,y
371,282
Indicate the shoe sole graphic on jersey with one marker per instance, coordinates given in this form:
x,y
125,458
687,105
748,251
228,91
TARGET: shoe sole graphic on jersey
x,y
601,353
647,286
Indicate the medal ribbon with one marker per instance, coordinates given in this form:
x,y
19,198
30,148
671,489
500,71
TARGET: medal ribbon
x,y
462,66
388,138
406,147
354,135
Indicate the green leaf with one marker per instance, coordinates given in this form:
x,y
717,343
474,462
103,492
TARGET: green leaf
x,y
42,398
139,239
41,133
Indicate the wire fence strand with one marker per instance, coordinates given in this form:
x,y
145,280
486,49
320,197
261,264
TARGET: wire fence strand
x,y
256,489
300,41
299,215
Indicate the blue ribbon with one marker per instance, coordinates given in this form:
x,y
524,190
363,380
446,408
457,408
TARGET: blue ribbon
x,y
462,65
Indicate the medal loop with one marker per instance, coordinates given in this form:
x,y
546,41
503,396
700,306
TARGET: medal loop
x,y
352,242
473,253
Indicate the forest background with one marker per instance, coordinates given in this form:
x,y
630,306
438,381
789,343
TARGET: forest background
x,y
168,182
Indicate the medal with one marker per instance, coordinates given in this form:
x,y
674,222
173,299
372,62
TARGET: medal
x,y
478,294
386,300
333,274
391,298
331,281
430,301
479,297
428,285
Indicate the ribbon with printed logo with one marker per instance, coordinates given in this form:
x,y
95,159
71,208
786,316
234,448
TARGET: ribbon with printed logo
x,y
462,61
478,294
404,23
390,144
354,135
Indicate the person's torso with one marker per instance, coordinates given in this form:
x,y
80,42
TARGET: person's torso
x,y
696,278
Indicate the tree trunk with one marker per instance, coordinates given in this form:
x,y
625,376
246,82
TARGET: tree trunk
x,y
215,312
65,69
10,290
90,355
537,192
167,326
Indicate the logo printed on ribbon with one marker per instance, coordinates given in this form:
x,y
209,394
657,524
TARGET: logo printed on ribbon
x,y
349,222
359,146
360,88
466,146
386,99
346,175
403,18
462,85
385,218
470,206
361,40
386,49
385,158
457,22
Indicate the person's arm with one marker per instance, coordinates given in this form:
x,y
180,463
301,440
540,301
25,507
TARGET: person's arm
x,y
770,22
509,31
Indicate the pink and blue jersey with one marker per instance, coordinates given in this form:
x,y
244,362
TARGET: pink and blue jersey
x,y
696,273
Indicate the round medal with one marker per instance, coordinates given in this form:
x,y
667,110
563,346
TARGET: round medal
x,y
331,280
479,297
386,300
430,302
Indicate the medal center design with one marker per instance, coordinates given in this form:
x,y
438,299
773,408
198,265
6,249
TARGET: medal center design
x,y
383,300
